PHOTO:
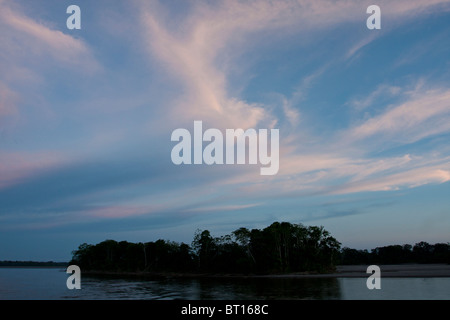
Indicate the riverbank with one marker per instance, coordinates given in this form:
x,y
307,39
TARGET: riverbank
x,y
387,271
347,271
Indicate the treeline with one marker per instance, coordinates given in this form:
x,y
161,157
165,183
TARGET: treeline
x,y
421,252
278,248
9,263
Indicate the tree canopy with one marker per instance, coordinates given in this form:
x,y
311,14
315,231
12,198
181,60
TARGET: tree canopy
x,y
421,252
278,248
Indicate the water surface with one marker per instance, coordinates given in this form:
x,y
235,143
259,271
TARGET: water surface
x,y
50,284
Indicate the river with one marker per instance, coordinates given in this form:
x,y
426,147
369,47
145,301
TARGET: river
x,y
50,284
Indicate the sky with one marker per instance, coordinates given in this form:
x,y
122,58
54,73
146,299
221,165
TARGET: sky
x,y
86,117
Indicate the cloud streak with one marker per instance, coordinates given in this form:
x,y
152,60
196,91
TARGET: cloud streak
x,y
424,114
18,167
409,179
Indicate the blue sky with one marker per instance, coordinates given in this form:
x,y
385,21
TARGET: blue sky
x,y
86,118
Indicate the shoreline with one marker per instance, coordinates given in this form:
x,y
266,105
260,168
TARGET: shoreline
x,y
342,271
387,271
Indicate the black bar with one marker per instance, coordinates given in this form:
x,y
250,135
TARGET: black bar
x,y
223,309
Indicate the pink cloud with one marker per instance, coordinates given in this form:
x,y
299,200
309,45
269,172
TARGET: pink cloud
x,y
16,167
120,211
413,120
409,179
21,37
224,207
8,100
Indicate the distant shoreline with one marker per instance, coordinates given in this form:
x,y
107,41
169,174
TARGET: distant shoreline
x,y
32,264
33,267
344,271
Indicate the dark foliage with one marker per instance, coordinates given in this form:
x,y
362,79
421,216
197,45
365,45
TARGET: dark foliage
x,y
122,256
280,247
421,252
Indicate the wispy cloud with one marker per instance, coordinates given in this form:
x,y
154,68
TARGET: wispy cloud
x,y
426,113
409,179
120,211
366,39
21,35
190,57
223,208
382,91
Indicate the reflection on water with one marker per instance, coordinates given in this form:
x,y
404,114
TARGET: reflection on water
x,y
222,289
42,283
210,289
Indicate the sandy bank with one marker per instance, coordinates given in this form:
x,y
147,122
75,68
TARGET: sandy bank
x,y
393,271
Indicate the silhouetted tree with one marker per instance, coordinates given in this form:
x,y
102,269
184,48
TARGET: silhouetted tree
x,y
205,248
